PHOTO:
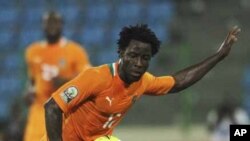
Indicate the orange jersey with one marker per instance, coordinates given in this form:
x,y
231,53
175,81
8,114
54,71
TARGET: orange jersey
x,y
97,99
64,59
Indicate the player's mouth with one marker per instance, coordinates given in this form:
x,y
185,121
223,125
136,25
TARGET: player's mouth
x,y
136,73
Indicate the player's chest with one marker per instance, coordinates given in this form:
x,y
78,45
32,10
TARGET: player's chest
x,y
52,57
52,60
115,101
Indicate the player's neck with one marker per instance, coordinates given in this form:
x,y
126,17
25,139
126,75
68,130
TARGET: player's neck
x,y
122,76
53,40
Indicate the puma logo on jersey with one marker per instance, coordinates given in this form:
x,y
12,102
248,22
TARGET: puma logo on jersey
x,y
109,100
134,99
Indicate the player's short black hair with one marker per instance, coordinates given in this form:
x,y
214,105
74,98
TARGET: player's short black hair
x,y
140,32
52,13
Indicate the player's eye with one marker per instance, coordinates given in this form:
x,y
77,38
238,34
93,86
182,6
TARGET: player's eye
x,y
146,57
132,55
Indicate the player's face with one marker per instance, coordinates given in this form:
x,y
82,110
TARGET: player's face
x,y
134,61
52,25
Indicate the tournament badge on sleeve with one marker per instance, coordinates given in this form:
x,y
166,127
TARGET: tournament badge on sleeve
x,y
69,94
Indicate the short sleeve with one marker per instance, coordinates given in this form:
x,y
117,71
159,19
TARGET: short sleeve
x,y
85,85
158,85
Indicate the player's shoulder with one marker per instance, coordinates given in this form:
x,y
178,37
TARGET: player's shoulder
x,y
75,47
100,72
74,44
33,47
145,79
147,76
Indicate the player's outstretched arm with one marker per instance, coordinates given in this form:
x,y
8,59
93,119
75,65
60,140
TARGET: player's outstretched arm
x,y
53,120
190,75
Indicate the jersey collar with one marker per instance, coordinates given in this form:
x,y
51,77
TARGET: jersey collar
x,y
114,71
62,43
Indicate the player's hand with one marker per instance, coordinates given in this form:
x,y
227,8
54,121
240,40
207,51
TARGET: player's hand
x,y
231,38
58,82
29,98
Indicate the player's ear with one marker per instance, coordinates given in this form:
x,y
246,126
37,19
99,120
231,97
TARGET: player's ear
x,y
121,53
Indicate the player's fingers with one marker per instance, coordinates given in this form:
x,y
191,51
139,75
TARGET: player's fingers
x,y
232,30
232,40
231,35
236,30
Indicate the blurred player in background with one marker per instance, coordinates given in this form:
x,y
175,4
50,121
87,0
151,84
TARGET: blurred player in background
x,y
95,101
219,120
50,63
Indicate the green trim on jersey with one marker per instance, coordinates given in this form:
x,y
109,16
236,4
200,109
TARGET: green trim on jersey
x,y
111,69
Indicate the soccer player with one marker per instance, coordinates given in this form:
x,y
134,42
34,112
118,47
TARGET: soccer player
x,y
94,102
50,63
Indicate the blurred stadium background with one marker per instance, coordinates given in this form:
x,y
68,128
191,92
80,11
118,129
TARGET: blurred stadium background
x,y
190,30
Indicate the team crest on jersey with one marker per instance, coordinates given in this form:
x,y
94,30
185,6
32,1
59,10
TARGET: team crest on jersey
x,y
62,62
69,94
